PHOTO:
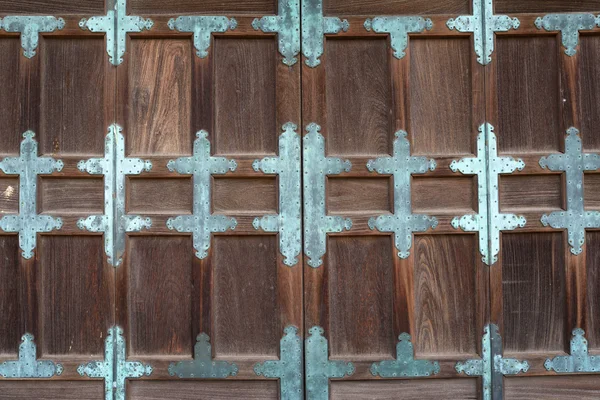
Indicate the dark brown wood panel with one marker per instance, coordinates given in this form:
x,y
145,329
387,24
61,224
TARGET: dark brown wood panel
x,y
591,191
529,117
452,195
359,97
245,302
592,241
453,389
445,294
245,195
543,7
398,7
361,286
534,293
365,195
552,388
245,96
52,390
209,390
589,88
9,294
10,113
159,196
76,295
440,96
160,290
81,196
160,97
530,192
9,195
75,93
175,7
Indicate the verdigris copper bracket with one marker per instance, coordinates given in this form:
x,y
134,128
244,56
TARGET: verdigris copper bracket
x,y
579,361
492,366
569,26
202,27
203,366
314,27
489,222
27,366
483,24
288,368
116,24
316,167
287,26
201,223
28,222
319,369
115,369
398,27
403,222
288,222
115,167
575,219
30,28
405,364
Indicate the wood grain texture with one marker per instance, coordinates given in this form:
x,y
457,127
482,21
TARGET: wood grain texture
x,y
363,195
445,294
528,94
455,389
591,191
431,195
159,272
440,96
552,388
245,195
71,195
545,6
76,295
359,97
174,7
592,247
73,96
9,298
9,195
589,89
52,390
398,7
209,390
361,284
244,96
533,289
530,192
159,196
10,115
245,296
159,98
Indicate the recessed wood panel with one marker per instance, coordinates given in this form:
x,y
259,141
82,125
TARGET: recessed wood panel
x,y
245,103
71,196
528,94
552,388
591,189
445,294
10,114
159,296
530,192
441,98
245,300
173,7
9,294
363,195
533,291
52,390
359,97
51,7
159,97
209,390
159,196
424,389
361,285
243,195
73,95
9,195
589,87
592,246
545,6
76,287
430,195
398,7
